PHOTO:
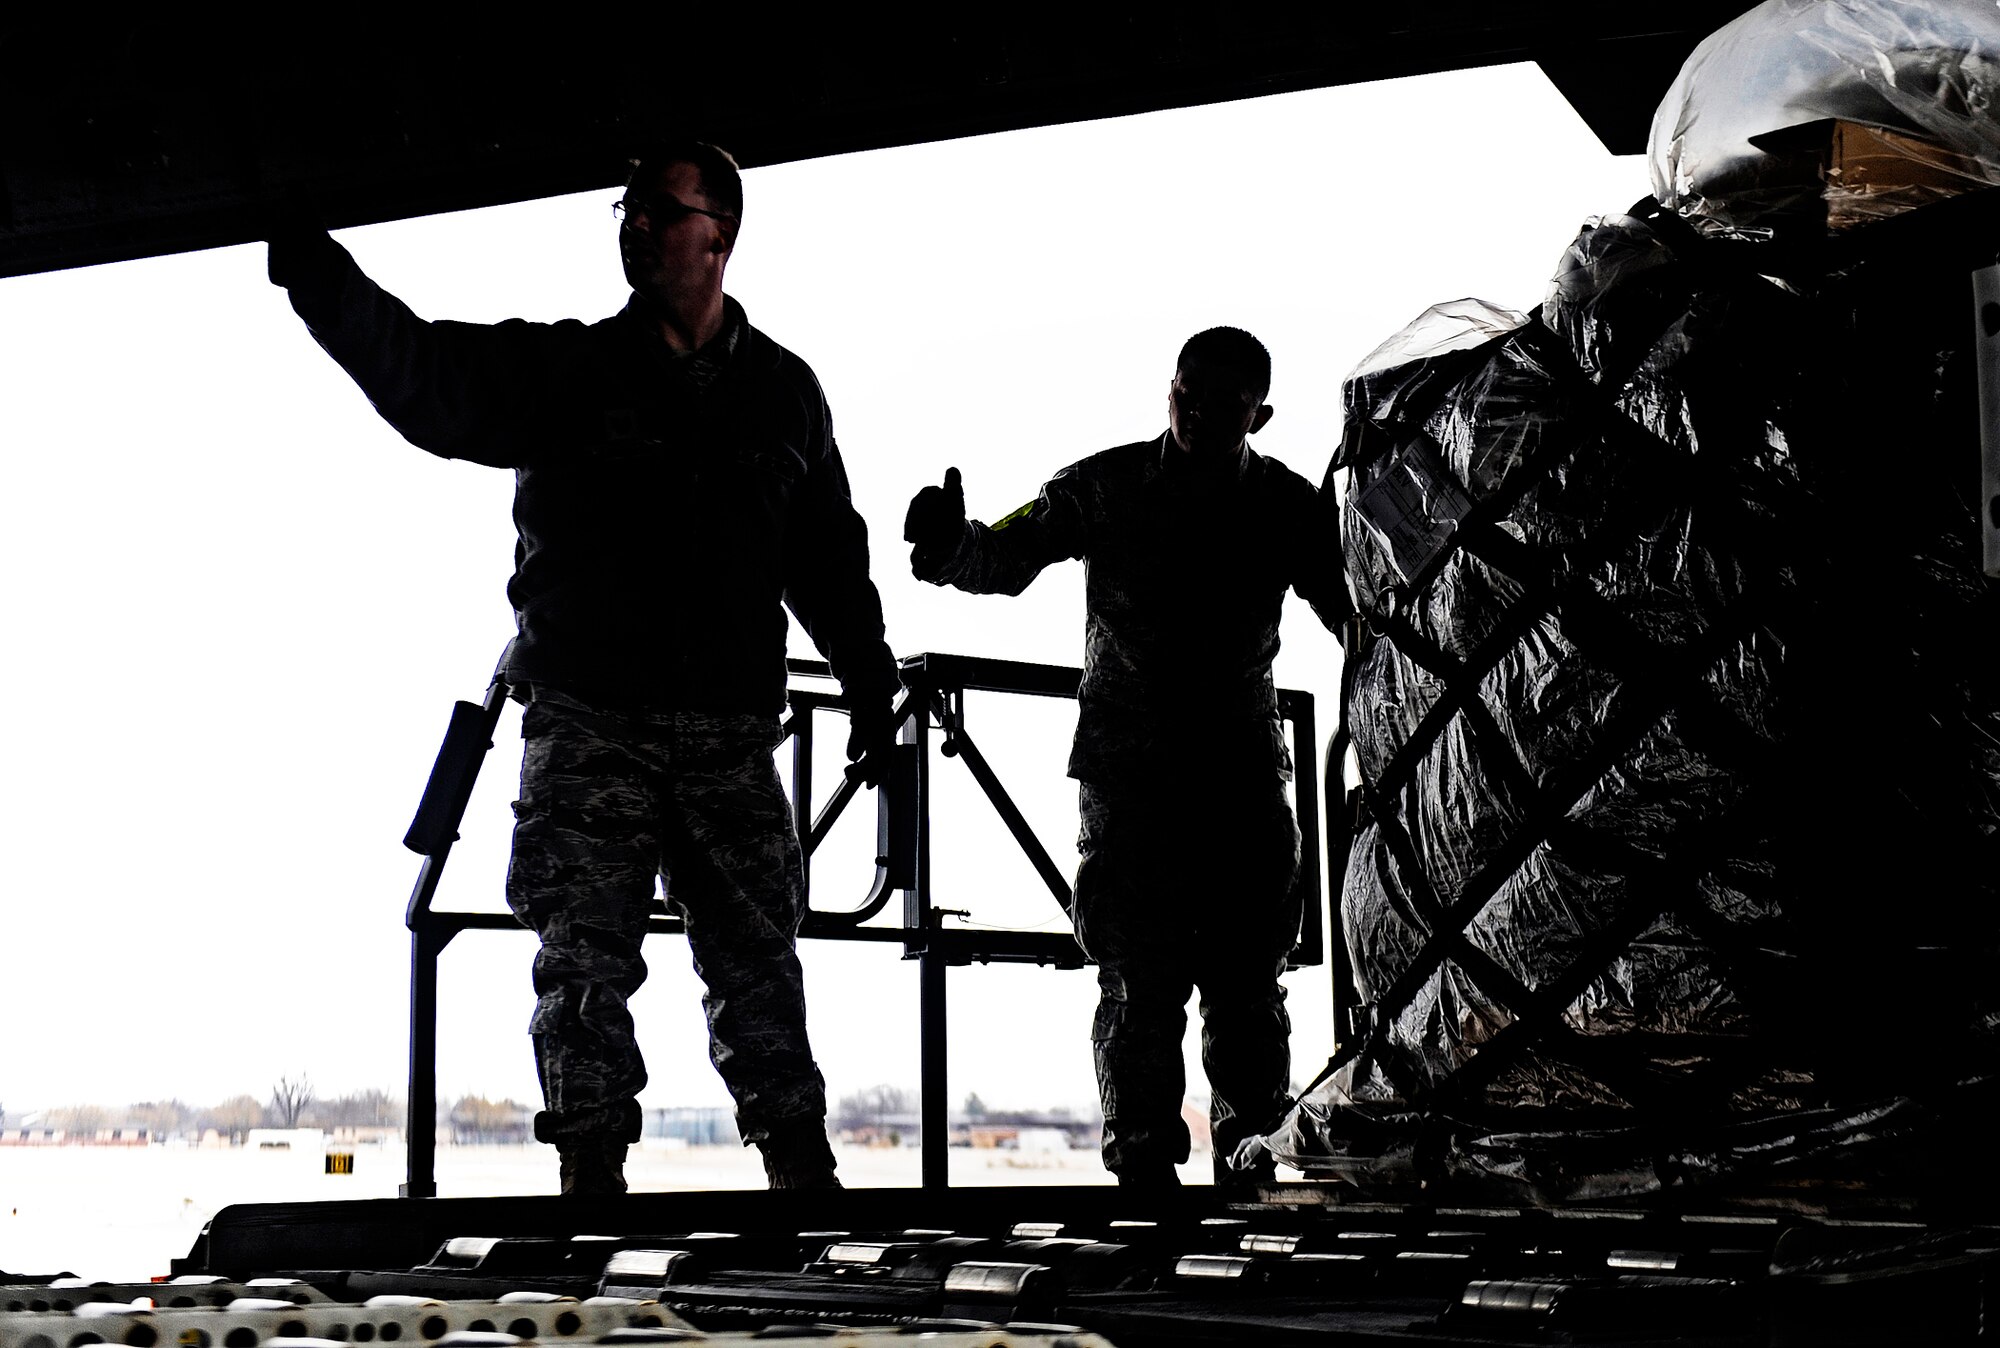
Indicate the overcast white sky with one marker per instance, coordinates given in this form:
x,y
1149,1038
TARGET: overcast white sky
x,y
244,606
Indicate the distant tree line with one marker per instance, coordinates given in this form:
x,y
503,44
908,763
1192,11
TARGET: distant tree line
x,y
474,1119
292,1103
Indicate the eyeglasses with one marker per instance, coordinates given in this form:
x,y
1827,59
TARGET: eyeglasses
x,y
659,210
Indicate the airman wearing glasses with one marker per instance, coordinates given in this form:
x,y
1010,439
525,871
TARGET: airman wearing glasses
x,y
677,487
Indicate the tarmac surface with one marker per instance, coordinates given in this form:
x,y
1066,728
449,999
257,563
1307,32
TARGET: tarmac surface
x,y
123,1213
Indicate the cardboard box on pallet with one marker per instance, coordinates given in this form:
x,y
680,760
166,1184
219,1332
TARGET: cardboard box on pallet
x,y
1867,173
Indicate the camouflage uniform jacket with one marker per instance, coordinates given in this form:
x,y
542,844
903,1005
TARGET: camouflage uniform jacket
x,y
1185,576
664,508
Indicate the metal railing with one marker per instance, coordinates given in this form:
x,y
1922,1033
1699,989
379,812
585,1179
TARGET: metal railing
x,y
931,705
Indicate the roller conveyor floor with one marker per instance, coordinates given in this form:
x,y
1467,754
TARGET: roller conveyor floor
x,y
1053,1266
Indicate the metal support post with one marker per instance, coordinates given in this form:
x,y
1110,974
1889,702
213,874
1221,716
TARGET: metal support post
x,y
936,1121
802,788
1342,823
427,942
1311,947
921,916
432,832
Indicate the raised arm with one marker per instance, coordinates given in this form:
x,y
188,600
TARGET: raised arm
x,y
459,390
1001,558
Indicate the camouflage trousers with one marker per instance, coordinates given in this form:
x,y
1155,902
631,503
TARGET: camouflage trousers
x,y
1178,891
607,804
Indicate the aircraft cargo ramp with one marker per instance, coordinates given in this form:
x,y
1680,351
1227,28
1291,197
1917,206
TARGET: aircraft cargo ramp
x,y
1281,1263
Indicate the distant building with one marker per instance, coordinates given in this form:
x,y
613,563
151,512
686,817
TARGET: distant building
x,y
33,1137
58,1137
1042,1141
366,1134
886,1130
694,1125
285,1139
992,1131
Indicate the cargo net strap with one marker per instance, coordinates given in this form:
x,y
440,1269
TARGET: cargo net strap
x,y
1527,523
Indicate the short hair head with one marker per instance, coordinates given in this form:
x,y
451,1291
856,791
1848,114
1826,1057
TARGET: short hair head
x,y
1232,352
721,180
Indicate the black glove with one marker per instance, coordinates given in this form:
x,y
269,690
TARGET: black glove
x,y
871,736
935,523
303,254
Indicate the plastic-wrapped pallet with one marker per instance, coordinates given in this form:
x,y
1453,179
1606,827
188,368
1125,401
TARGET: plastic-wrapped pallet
x,y
1677,716
1923,72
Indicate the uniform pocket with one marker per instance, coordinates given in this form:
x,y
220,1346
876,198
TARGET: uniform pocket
x,y
775,460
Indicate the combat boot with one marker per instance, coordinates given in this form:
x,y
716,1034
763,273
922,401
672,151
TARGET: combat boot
x,y
592,1166
798,1156
1158,1177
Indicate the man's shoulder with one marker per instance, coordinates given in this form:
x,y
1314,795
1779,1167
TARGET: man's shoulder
x,y
765,358
1119,463
1278,478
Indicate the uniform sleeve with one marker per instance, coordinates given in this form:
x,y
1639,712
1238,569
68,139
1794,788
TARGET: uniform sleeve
x,y
1006,556
827,586
1318,566
459,390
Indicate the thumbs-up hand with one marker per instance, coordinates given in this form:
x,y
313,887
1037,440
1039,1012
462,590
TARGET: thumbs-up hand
x,y
936,521
301,252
